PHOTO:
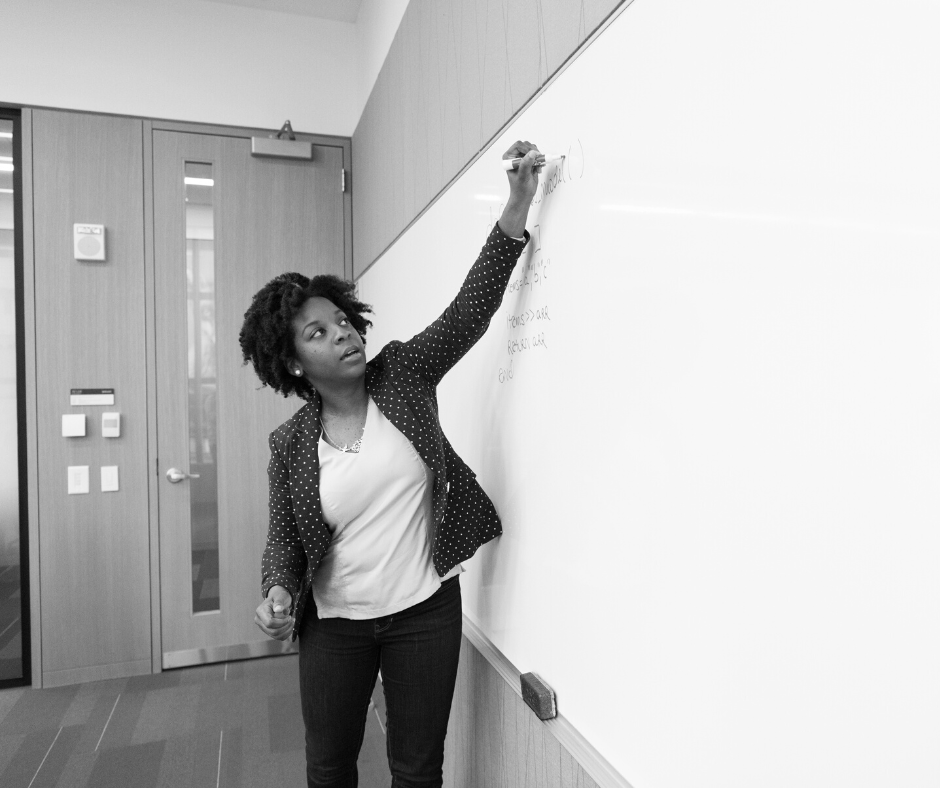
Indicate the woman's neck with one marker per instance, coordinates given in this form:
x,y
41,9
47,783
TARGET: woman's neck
x,y
341,401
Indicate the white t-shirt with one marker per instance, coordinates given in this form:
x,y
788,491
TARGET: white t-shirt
x,y
377,505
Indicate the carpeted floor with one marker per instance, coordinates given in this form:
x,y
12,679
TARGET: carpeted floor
x,y
234,725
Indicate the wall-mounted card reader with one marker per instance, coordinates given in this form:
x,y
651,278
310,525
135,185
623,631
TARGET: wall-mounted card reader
x,y
111,425
73,425
88,241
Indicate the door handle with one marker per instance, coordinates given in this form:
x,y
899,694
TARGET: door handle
x,y
175,475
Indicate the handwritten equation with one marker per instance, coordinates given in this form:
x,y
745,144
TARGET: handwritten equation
x,y
533,274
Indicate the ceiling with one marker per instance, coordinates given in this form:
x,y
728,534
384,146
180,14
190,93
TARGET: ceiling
x,y
337,10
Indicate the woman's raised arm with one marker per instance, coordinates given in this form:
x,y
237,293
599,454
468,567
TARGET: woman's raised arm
x,y
443,343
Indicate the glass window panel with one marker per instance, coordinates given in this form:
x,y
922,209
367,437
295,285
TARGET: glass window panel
x,y
200,311
11,641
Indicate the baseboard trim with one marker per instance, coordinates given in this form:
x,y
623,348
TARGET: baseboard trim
x,y
117,670
595,764
205,656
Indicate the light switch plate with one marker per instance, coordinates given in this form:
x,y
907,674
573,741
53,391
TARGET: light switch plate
x,y
109,478
78,479
73,425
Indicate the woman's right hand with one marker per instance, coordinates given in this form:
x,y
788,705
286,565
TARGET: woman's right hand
x,y
273,615
523,183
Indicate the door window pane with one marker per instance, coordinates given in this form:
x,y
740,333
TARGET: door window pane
x,y
200,297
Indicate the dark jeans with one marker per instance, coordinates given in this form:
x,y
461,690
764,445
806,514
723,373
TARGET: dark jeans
x,y
417,650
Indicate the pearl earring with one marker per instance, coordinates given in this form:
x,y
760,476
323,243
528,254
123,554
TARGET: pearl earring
x,y
298,372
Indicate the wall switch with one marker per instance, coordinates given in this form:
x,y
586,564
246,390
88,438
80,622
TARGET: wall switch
x,y
111,425
78,479
73,425
109,478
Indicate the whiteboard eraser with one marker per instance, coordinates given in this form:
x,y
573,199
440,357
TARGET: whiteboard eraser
x,y
538,696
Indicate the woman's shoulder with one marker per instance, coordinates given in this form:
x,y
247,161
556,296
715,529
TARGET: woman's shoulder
x,y
394,363
388,351
301,421
380,364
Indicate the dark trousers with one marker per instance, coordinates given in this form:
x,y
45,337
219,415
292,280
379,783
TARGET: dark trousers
x,y
417,650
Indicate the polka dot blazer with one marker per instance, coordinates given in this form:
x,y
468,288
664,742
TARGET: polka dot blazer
x,y
402,379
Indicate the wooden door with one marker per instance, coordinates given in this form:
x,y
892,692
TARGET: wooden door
x,y
224,224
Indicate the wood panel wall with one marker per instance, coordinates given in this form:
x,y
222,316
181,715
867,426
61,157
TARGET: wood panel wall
x,y
90,333
457,72
495,740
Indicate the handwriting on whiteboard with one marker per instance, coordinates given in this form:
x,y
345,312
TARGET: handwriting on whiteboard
x,y
506,373
522,344
532,274
527,315
555,176
524,318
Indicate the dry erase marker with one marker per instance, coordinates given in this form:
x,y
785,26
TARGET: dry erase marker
x,y
540,161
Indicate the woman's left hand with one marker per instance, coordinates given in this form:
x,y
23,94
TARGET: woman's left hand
x,y
273,615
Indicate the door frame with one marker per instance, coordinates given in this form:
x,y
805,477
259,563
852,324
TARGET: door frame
x,y
150,126
25,391
30,394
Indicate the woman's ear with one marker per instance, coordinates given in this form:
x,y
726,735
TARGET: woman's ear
x,y
293,366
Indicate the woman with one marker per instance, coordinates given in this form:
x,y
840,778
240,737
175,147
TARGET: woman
x,y
371,510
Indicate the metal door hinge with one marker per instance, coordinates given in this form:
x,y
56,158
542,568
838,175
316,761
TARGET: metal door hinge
x,y
342,182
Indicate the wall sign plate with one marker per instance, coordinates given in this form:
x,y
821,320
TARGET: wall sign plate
x,y
91,397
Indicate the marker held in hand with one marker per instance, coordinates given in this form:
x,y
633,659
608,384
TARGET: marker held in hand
x,y
540,161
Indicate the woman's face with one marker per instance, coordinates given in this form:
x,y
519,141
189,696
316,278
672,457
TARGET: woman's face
x,y
328,349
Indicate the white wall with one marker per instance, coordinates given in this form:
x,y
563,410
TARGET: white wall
x,y
376,27
195,60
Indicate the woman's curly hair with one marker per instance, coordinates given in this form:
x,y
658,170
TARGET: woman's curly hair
x,y
267,336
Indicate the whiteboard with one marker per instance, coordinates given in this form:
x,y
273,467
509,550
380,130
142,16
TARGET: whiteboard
x,y
708,410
